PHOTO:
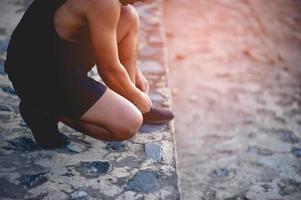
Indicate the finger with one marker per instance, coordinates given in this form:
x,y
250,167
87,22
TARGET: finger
x,y
147,88
138,85
143,88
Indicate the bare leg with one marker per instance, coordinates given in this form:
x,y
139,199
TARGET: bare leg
x,y
90,129
118,121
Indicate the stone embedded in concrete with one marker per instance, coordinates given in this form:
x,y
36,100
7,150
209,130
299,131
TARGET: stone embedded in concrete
x,y
29,169
288,187
22,144
23,123
155,39
152,21
130,161
77,145
9,90
153,151
99,191
79,195
260,151
144,181
33,180
221,172
157,97
288,136
266,187
151,67
10,190
150,128
72,147
297,152
2,72
93,169
5,108
3,45
5,118
116,146
148,51
38,197
238,197
68,174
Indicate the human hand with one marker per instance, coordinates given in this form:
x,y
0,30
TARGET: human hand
x,y
141,82
147,104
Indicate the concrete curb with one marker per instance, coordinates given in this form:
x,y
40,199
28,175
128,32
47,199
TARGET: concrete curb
x,y
143,167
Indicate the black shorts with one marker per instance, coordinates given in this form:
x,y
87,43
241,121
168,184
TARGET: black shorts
x,y
47,71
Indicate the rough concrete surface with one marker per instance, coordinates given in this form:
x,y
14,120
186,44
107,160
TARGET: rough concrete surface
x,y
236,93
143,167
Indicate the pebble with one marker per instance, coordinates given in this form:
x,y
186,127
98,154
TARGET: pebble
x,y
115,146
193,98
9,90
150,128
297,152
156,97
68,174
10,190
151,67
79,195
238,198
153,151
288,187
22,144
144,181
33,180
23,123
2,72
288,136
94,168
266,187
2,31
175,91
148,51
180,57
155,39
3,45
5,108
221,172
74,148
260,151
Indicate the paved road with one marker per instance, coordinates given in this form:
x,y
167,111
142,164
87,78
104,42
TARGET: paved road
x,y
234,68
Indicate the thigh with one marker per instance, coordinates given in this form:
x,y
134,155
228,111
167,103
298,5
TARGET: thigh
x,y
113,112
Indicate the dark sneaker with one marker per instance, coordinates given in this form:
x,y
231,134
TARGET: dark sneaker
x,y
157,116
57,140
43,126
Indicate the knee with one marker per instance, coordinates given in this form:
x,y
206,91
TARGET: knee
x,y
130,15
129,126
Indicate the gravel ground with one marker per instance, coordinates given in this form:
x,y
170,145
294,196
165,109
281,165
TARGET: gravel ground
x,y
234,71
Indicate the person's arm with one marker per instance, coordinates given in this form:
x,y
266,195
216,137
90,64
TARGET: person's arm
x,y
102,17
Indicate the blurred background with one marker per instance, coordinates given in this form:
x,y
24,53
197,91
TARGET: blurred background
x,y
235,75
